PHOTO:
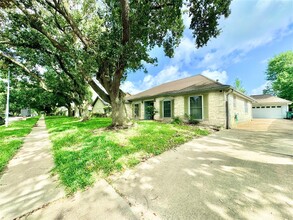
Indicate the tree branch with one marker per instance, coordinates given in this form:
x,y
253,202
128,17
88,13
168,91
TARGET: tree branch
x,y
125,21
158,7
35,76
36,24
63,11
98,90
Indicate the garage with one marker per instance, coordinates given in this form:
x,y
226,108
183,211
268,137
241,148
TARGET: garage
x,y
269,111
268,106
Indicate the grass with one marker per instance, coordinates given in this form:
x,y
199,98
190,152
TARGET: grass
x,y
11,139
84,151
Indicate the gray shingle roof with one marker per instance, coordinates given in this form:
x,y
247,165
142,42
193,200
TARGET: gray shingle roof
x,y
197,83
264,99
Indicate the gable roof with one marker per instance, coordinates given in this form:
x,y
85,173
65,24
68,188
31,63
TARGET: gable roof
x,y
95,85
197,83
265,99
99,98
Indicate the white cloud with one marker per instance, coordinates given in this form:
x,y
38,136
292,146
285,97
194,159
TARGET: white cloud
x,y
184,53
250,26
222,77
265,61
129,87
259,90
170,73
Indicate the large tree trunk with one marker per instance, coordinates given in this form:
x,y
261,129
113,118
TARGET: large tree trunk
x,y
119,118
85,115
69,110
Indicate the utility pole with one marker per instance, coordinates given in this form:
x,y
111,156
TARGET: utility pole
x,y
7,103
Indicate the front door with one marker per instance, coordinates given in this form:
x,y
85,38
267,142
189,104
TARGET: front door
x,y
149,110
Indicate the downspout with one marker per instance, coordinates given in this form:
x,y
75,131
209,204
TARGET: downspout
x,y
227,109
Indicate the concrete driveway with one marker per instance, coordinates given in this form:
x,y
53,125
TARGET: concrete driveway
x,y
244,173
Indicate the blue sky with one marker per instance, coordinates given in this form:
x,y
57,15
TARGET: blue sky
x,y
255,31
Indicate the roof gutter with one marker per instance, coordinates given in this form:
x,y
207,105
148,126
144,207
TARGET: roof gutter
x,y
177,93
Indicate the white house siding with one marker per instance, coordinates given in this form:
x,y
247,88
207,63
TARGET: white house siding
x,y
237,109
99,107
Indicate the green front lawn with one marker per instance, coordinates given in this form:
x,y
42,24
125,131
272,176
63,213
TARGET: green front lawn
x,y
11,138
84,151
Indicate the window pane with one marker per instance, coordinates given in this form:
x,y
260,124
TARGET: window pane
x,y
196,113
167,109
196,107
195,101
136,110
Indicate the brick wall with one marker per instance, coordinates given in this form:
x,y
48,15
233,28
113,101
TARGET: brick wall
x,y
217,108
214,108
237,109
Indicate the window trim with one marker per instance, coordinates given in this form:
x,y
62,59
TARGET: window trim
x,y
167,100
138,109
202,106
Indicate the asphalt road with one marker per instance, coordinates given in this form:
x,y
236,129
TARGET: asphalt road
x,y
244,173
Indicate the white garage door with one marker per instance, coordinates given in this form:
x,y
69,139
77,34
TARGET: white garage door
x,y
268,112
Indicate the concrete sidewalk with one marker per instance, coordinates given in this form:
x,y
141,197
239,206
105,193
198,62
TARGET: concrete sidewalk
x,y
27,190
98,202
26,184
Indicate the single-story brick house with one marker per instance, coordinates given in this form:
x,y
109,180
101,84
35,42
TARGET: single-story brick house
x,y
197,97
268,106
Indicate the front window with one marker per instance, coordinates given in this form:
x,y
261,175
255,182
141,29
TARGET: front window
x,y
167,109
136,110
195,105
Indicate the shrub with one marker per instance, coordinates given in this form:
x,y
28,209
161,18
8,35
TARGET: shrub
x,y
191,120
177,120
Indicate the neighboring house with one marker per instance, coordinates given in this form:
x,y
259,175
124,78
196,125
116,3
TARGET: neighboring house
x,y
96,105
99,106
25,112
268,106
197,97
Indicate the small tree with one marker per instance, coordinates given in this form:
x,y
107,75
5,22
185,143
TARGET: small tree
x,y
238,86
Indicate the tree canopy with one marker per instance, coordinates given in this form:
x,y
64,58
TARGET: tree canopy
x,y
280,74
105,39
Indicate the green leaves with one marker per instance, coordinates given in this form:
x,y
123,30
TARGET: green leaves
x,y
280,73
238,86
205,15
80,39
